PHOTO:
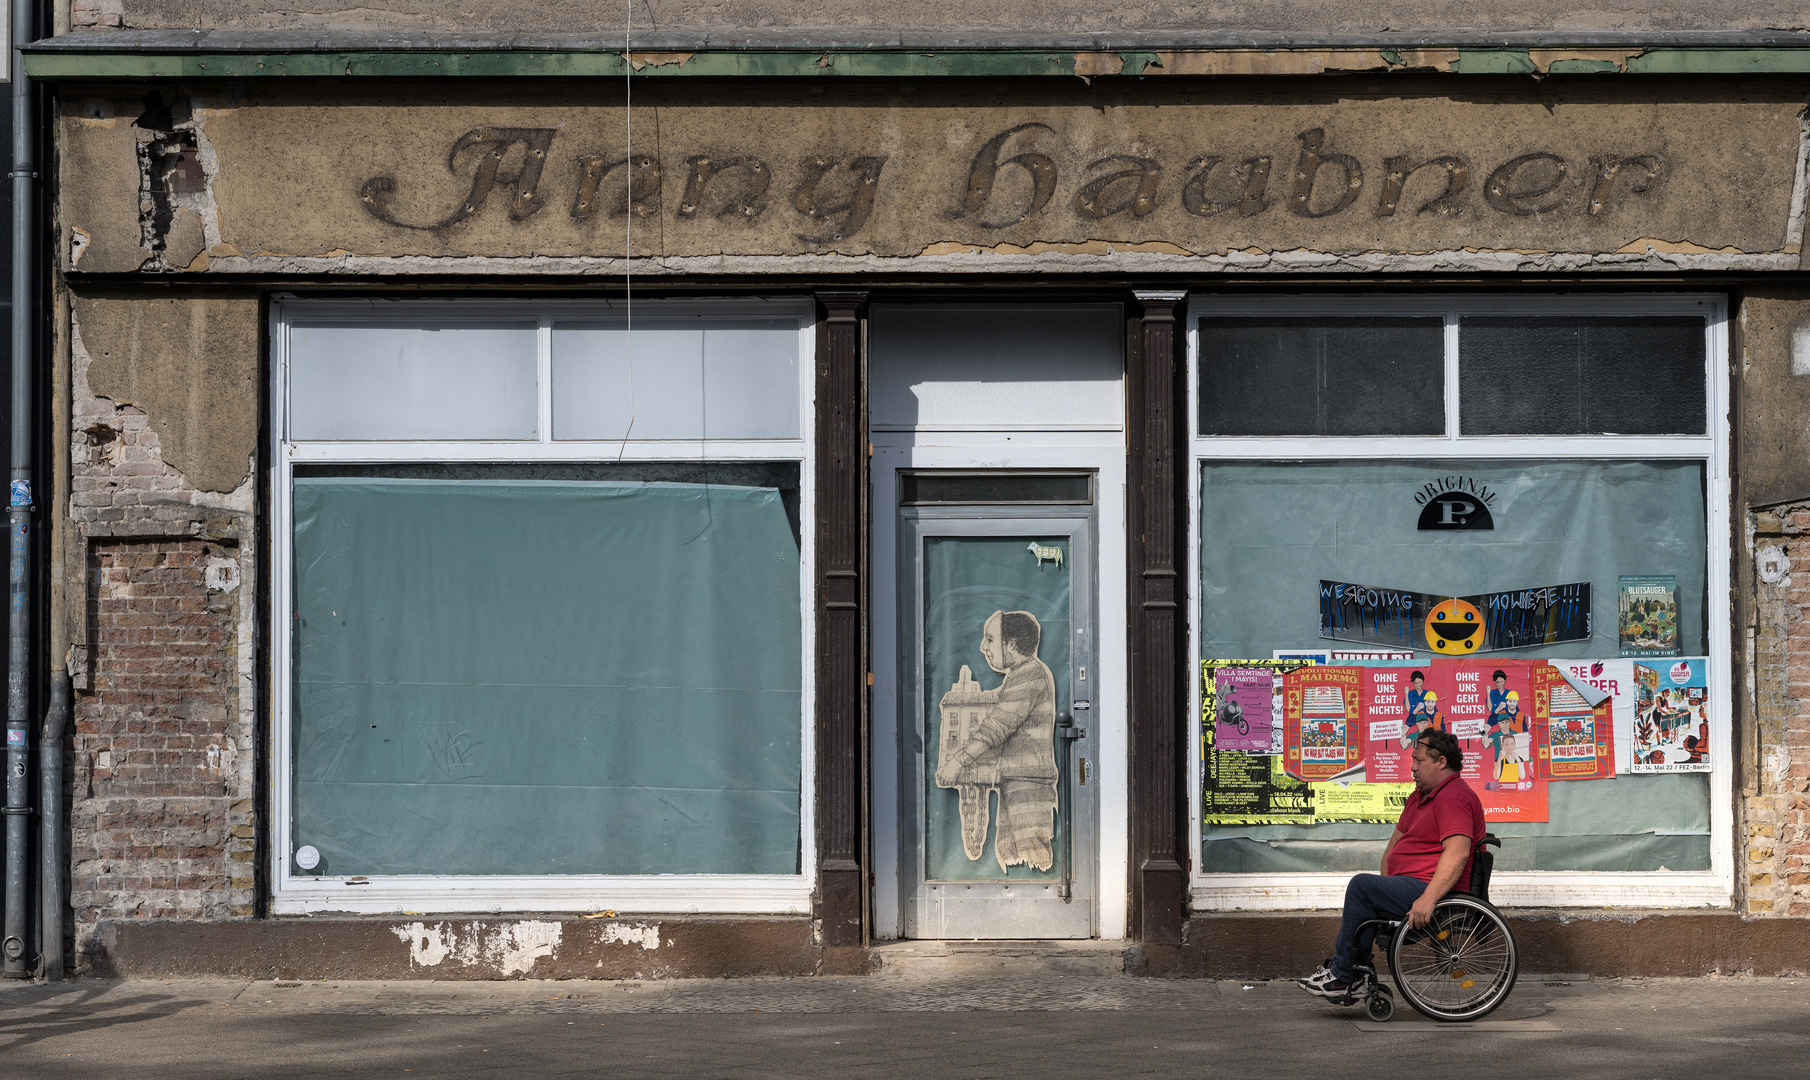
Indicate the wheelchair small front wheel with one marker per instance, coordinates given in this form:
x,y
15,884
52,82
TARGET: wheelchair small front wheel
x,y
1379,1005
1461,965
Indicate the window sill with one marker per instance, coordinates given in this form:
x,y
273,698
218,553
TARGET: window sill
x,y
700,894
1536,889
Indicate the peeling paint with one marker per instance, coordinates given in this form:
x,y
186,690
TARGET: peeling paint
x,y
1086,247
513,948
646,935
1090,64
640,60
1574,61
1296,61
1674,247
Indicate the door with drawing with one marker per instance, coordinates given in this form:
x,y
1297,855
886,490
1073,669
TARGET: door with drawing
x,y
996,611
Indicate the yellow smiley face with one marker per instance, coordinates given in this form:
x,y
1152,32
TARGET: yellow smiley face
x,y
1455,627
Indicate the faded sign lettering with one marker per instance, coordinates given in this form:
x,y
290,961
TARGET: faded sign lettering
x,y
836,193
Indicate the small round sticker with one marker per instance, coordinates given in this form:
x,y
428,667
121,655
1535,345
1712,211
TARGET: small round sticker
x,y
307,857
1681,672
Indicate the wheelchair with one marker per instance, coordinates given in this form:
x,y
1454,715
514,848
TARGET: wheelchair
x,y
1458,967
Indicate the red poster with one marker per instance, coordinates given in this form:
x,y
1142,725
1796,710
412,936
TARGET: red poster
x,y
1321,735
1489,706
1572,741
1388,739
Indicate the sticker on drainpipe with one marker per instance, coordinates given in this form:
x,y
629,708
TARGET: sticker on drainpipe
x,y
15,736
21,492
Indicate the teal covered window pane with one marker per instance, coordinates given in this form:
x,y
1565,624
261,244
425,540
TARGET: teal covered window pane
x,y
519,675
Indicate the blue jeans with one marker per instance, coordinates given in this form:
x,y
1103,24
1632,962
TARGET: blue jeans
x,y
1370,896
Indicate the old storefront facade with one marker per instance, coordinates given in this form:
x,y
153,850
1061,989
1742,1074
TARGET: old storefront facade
x,y
520,512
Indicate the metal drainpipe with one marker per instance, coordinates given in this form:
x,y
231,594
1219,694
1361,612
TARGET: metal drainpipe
x,y
50,830
18,680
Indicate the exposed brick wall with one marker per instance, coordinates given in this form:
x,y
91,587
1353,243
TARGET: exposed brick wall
x,y
162,810
152,817
1776,812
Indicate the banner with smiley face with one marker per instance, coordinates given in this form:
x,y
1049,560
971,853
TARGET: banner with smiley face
x,y
1455,626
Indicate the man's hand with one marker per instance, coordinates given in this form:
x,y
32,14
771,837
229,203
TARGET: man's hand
x,y
1422,912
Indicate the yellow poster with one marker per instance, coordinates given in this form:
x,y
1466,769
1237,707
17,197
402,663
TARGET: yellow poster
x,y
1359,802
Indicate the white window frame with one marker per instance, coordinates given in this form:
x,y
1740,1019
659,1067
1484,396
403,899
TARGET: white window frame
x,y
1650,889
410,893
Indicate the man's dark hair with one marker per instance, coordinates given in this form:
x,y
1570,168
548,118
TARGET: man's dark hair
x,y
1445,745
1417,675
1021,630
1500,674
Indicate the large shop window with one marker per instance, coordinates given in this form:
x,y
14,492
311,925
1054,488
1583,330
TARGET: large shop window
x,y
544,633
1399,499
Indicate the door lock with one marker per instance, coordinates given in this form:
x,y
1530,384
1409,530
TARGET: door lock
x,y
1082,769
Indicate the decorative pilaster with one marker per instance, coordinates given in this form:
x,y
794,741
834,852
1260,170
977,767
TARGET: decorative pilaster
x,y
1158,720
841,463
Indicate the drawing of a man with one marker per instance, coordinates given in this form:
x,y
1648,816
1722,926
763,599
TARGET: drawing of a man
x,y
1015,740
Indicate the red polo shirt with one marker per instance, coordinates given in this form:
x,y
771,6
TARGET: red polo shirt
x,y
1452,809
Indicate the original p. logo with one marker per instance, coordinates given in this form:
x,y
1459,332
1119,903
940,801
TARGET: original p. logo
x,y
1455,627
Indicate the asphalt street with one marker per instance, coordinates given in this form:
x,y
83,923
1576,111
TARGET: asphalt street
x,y
1042,1026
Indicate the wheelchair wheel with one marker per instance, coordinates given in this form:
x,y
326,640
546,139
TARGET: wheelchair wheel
x,y
1460,966
1380,1005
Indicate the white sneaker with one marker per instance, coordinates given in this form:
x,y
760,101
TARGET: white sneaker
x,y
1315,983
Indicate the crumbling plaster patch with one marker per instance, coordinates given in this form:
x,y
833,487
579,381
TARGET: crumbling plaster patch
x,y
192,366
100,214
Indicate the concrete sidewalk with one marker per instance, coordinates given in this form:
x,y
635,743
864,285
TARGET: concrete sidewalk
x,y
886,1026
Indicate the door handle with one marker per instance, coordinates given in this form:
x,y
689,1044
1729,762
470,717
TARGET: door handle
x,y
1067,729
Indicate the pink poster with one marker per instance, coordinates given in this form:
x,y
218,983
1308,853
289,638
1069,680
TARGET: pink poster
x,y
1243,698
1488,706
1388,740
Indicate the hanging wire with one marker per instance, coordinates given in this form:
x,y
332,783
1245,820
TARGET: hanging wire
x,y
628,218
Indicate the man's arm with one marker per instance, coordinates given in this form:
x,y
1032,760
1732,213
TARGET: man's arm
x,y
1455,851
1394,838
1013,709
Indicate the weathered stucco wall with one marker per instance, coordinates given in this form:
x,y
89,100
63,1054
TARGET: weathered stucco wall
x,y
1772,450
163,628
1004,16
951,179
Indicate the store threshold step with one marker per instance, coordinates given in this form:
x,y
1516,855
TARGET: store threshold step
x,y
1084,957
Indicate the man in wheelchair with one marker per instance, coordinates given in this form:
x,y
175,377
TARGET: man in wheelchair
x,y
1428,856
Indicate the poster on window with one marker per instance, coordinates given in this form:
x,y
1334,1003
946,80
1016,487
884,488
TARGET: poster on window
x,y
1647,615
1614,678
1269,722
1573,739
1321,733
1360,802
1240,707
1247,789
1488,706
1671,715
1455,625
1388,734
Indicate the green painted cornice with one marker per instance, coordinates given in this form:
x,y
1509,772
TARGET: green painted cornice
x,y
111,55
